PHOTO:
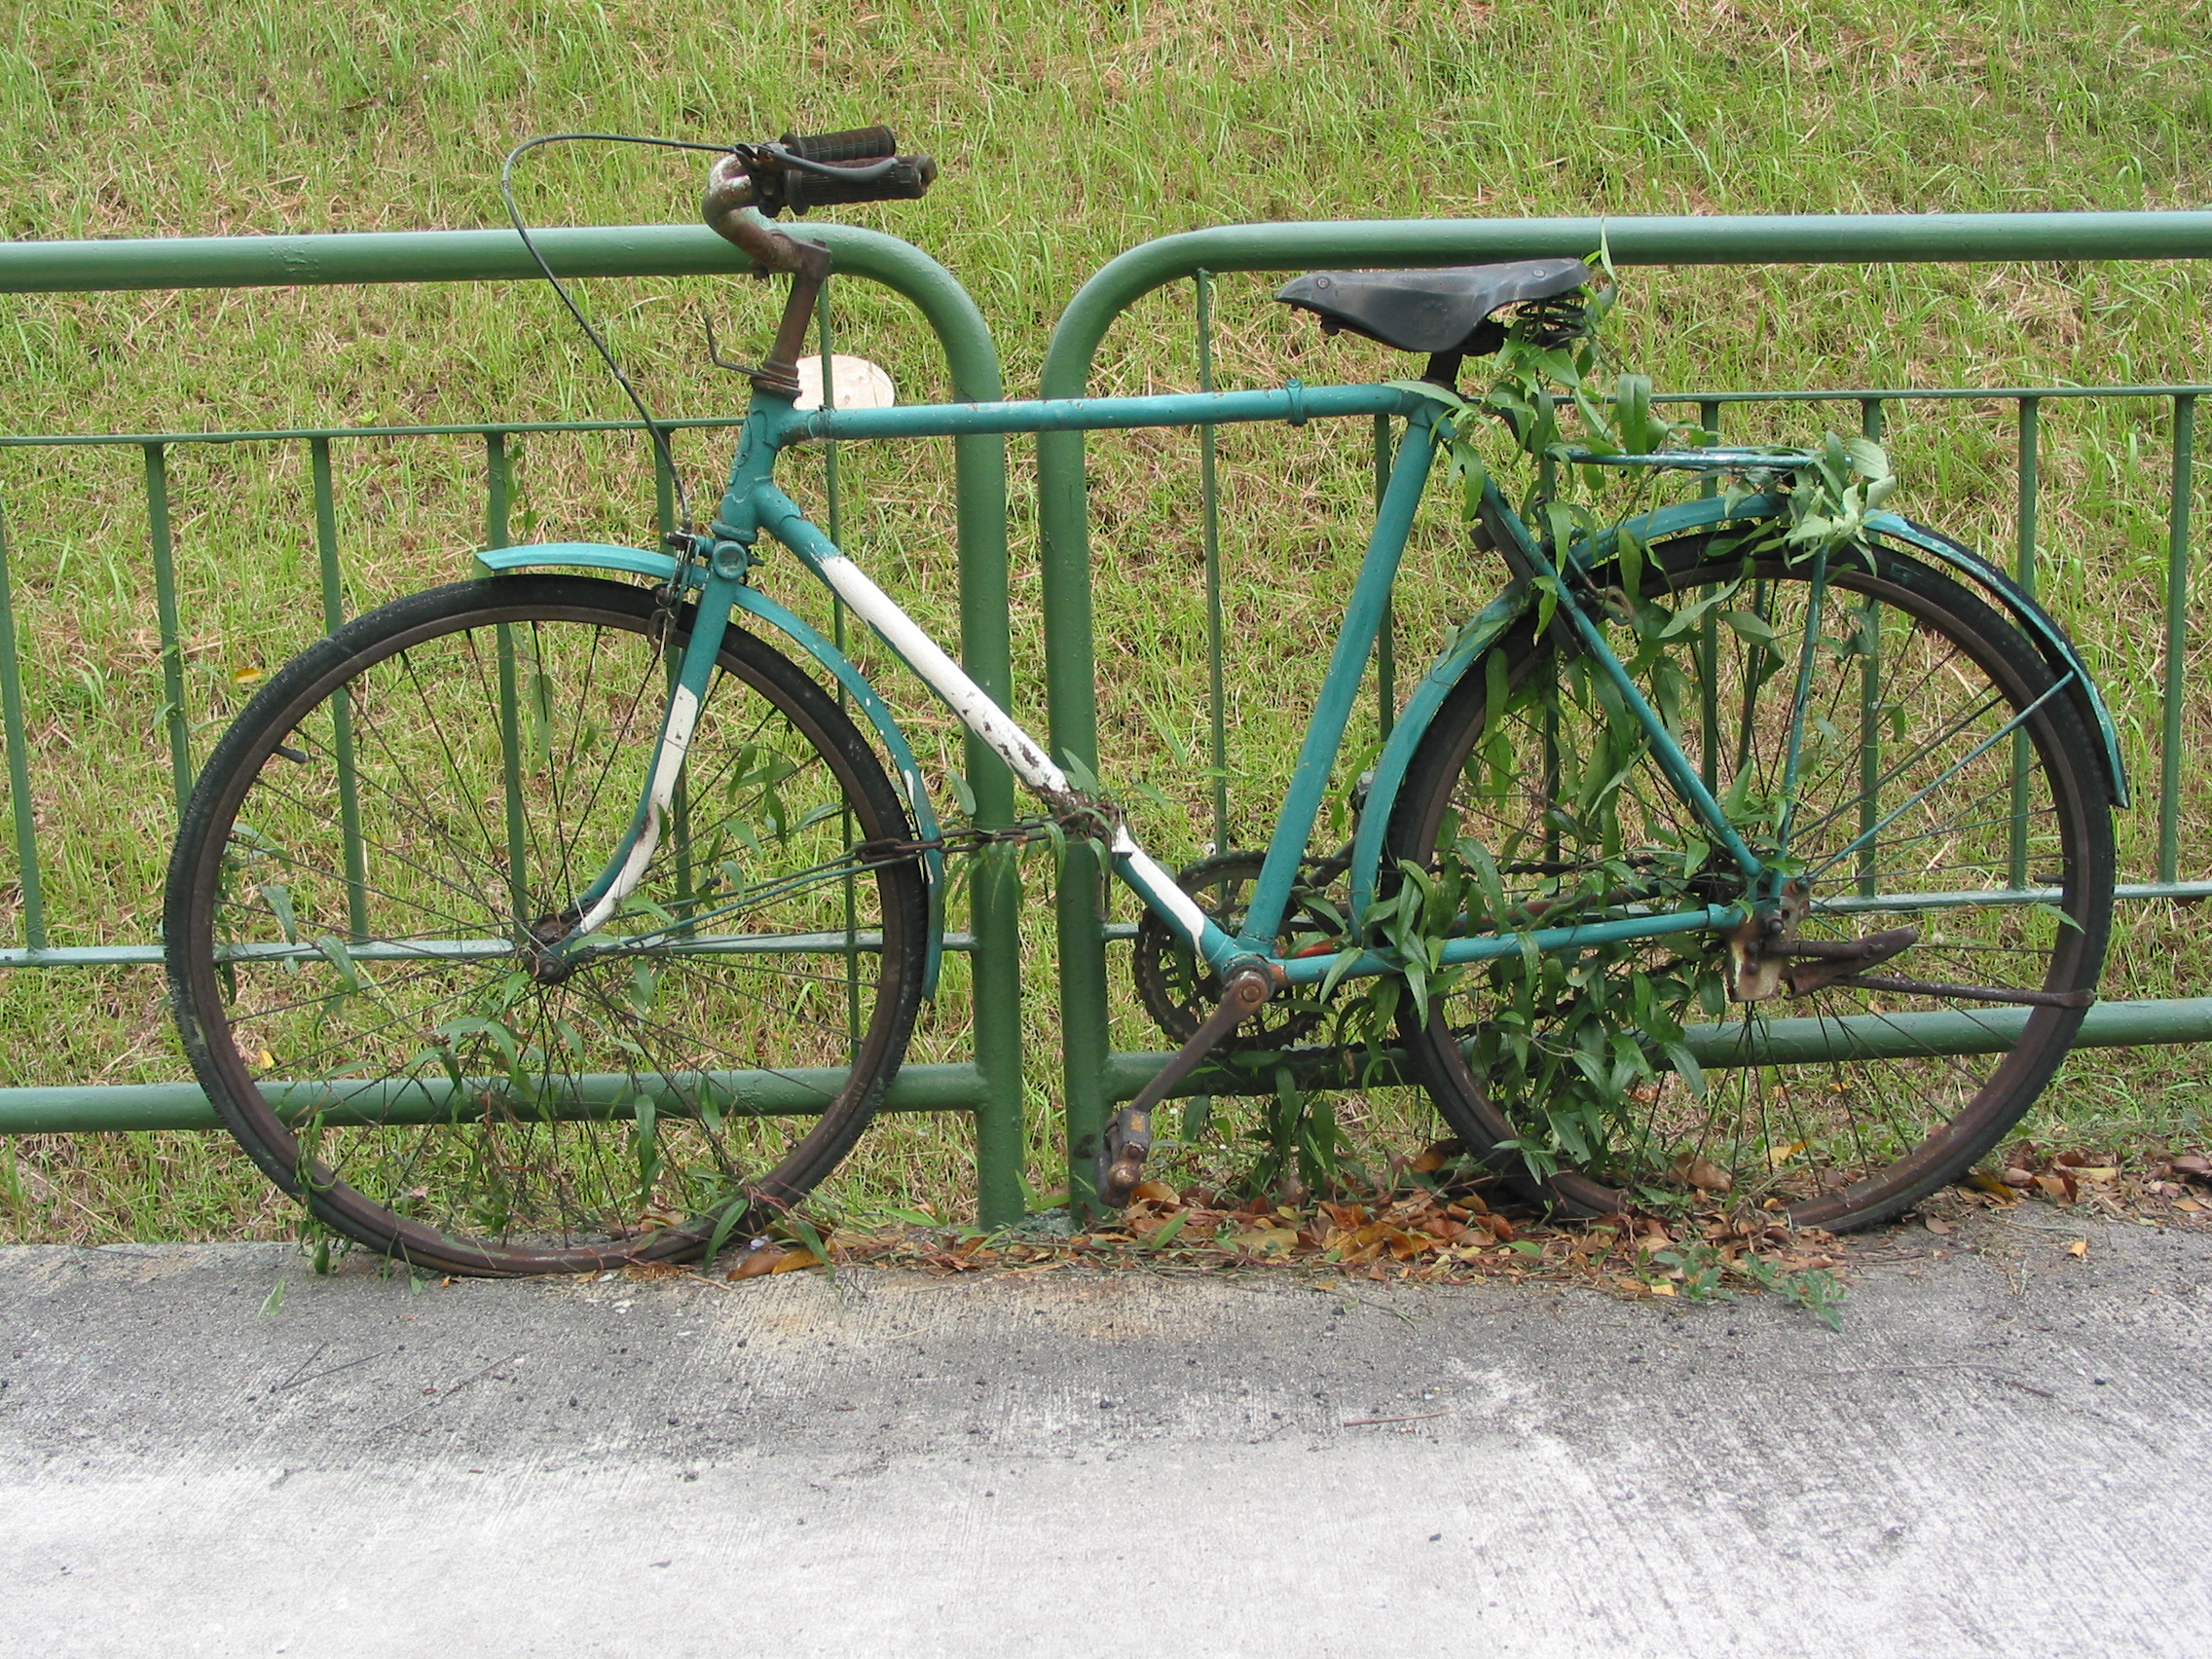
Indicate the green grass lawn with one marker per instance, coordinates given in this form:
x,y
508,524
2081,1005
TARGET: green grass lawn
x,y
1066,133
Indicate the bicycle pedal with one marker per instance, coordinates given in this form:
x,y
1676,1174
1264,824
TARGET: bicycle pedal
x,y
1126,1143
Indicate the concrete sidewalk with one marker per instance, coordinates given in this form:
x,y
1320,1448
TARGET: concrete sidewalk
x,y
2001,1451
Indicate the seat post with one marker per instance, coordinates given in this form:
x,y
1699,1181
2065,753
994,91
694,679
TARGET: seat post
x,y
1444,369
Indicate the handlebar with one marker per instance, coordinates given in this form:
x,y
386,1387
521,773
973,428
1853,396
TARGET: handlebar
x,y
827,170
856,144
750,186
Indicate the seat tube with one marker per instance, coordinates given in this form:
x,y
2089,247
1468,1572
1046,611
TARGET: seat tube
x,y
1339,686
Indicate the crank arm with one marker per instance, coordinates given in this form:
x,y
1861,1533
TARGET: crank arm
x,y
1127,1139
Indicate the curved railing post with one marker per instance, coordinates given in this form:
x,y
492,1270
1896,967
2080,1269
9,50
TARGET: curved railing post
x,y
1063,521
650,251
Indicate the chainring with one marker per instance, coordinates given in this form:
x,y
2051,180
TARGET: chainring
x,y
1179,990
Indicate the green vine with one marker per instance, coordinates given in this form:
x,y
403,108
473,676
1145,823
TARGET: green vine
x,y
1575,1047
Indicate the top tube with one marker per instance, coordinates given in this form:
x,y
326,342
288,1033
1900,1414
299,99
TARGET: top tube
x,y
1294,403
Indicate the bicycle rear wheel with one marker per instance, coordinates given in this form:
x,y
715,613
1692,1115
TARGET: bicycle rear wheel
x,y
395,817
1623,1074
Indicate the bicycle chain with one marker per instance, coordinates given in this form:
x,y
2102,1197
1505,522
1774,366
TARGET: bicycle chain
x,y
970,837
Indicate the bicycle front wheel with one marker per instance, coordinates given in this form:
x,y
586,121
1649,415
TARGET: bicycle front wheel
x,y
405,809
1914,759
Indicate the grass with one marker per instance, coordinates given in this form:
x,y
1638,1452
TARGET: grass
x,y
1066,134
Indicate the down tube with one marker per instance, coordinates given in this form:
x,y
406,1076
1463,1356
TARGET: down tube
x,y
1340,689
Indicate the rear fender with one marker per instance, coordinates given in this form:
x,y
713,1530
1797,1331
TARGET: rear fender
x,y
2032,620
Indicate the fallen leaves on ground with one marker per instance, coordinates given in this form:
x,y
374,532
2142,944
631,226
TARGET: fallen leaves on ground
x,y
2168,1188
1431,1235
1425,1236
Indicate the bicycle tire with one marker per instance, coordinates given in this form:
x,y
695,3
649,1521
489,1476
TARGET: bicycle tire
x,y
1835,1142
359,1009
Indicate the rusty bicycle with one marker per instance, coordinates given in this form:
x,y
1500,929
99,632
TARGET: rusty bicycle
x,y
579,913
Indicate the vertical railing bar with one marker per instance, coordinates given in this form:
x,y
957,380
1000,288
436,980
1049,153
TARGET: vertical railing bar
x,y
1209,521
497,487
1386,635
165,605
341,709
1870,415
1708,647
2177,638
18,760
2031,478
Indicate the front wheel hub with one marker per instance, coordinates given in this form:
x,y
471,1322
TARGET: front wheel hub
x,y
546,963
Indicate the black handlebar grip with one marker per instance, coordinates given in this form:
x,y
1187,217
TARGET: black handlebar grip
x,y
859,144
907,180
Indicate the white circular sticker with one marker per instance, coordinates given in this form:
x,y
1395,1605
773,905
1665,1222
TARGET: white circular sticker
x,y
855,381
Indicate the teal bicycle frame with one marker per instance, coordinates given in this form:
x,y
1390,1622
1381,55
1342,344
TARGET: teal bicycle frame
x,y
752,505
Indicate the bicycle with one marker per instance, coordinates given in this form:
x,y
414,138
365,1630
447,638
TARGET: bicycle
x,y
488,1004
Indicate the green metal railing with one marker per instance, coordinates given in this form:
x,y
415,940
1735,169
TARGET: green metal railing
x,y
989,1086
1095,1074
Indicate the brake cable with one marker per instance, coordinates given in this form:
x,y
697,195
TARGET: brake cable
x,y
653,428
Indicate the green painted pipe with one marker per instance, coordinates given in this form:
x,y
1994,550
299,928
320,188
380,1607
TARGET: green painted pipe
x,y
683,250
1784,1042
112,1109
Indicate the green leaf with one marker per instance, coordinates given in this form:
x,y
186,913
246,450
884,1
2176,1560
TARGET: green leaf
x,y
1750,626
648,1147
1197,1118
1079,774
809,1235
1686,1067
280,900
963,796
733,1212
1632,399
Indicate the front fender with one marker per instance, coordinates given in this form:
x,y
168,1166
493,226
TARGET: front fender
x,y
663,567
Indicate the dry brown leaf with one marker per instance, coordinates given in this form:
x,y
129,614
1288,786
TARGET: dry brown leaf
x,y
760,1262
1702,1173
1156,1193
1982,1181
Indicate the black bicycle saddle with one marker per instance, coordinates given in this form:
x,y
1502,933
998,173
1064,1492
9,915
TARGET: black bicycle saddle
x,y
1430,311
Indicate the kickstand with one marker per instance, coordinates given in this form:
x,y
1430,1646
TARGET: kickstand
x,y
1127,1139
